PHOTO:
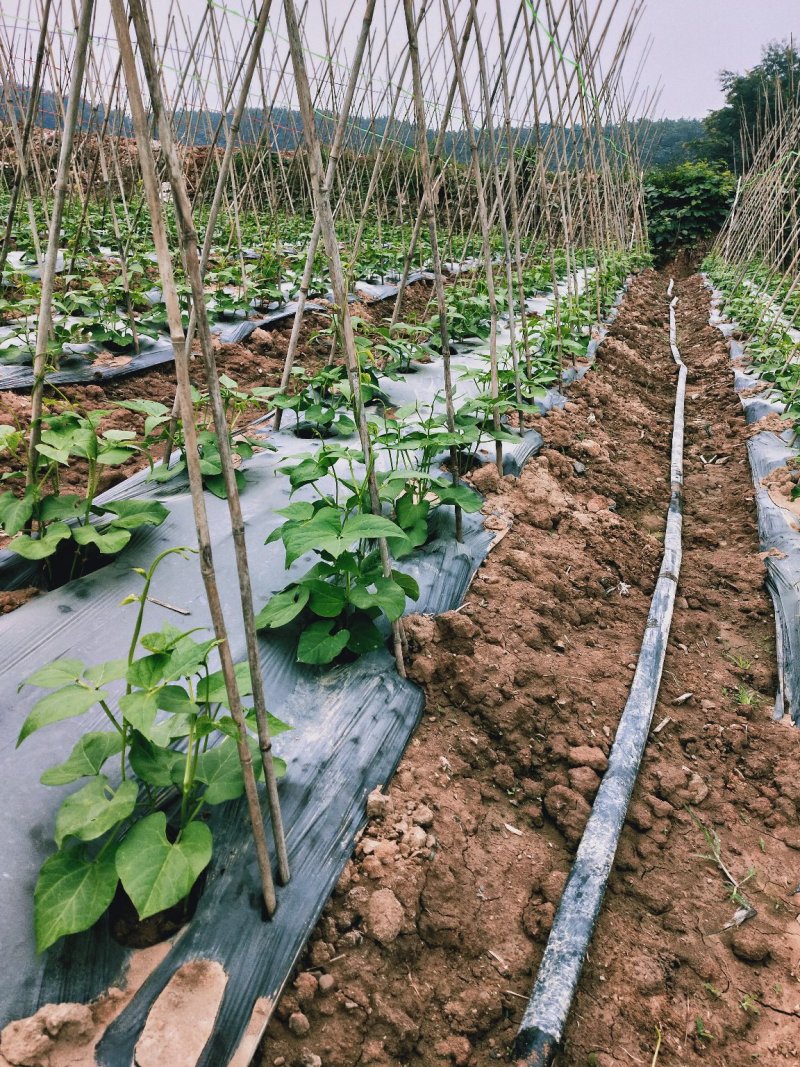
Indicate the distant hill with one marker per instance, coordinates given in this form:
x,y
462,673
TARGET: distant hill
x,y
671,139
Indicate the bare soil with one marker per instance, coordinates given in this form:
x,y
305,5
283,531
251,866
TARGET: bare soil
x,y
426,953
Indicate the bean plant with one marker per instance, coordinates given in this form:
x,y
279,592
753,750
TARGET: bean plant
x,y
169,753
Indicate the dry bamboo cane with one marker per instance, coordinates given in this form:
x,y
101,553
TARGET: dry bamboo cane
x,y
428,194
501,211
53,237
483,217
333,159
24,184
515,219
430,183
190,250
192,454
222,177
20,176
328,232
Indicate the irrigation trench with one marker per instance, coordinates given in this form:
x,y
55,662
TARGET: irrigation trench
x,y
545,1017
428,950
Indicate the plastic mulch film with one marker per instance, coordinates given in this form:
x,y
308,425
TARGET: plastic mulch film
x,y
777,527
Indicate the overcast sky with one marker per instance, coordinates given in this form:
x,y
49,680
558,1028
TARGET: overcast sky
x,y
695,39
692,40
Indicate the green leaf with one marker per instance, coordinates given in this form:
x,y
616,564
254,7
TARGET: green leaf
x,y
276,726
361,526
15,512
114,455
318,645
221,770
407,584
64,703
298,511
59,455
152,763
211,690
59,672
71,894
467,499
322,532
92,810
66,506
326,600
187,657
281,608
156,874
364,635
140,709
388,596
40,547
108,542
103,673
163,640
86,758
147,671
175,700
131,514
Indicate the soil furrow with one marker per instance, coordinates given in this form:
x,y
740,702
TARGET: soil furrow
x,y
718,777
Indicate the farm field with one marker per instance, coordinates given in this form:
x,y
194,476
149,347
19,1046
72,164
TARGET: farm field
x,y
399,546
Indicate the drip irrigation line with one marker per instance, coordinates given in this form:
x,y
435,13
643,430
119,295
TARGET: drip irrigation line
x,y
545,1017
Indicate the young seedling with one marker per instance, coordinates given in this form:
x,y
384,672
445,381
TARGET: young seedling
x,y
174,747
749,1005
745,910
701,1031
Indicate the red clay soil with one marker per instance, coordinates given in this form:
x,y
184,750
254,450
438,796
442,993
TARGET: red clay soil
x,y
426,953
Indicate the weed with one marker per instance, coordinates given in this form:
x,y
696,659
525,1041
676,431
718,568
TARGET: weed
x,y
700,1030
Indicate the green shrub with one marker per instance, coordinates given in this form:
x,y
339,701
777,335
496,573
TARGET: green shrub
x,y
686,206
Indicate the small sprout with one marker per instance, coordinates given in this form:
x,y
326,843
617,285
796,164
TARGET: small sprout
x,y
712,990
742,663
761,844
746,697
748,1004
700,1028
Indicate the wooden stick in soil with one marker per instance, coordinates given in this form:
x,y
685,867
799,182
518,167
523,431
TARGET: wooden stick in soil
x,y
53,237
436,261
189,244
333,159
20,175
328,232
482,215
222,177
160,240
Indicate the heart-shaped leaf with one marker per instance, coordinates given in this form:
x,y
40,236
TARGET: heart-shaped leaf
x,y
71,894
157,874
41,547
108,542
86,758
283,607
318,645
94,809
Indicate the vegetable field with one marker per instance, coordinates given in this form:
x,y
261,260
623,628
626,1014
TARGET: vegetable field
x,y
388,670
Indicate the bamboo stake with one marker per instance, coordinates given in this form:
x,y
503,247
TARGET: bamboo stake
x,y
187,411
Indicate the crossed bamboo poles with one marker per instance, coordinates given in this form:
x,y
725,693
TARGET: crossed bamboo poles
x,y
435,118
